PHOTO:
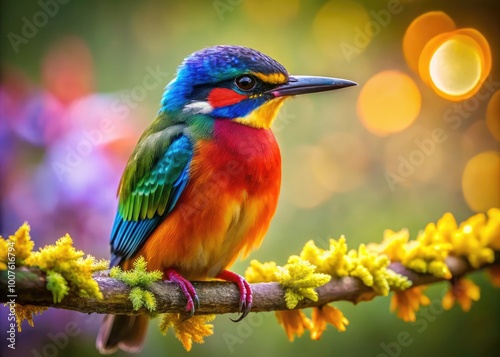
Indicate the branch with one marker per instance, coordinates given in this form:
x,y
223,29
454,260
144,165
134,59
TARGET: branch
x,y
216,297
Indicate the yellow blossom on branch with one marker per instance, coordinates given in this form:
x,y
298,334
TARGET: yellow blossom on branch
x,y
464,291
189,330
407,302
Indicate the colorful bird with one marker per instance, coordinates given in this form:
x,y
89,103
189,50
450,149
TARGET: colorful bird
x,y
202,184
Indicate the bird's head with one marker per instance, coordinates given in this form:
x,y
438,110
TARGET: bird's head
x,y
238,83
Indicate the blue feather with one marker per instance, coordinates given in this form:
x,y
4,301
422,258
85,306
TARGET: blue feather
x,y
128,235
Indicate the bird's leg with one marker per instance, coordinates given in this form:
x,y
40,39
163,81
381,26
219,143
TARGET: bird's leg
x,y
187,288
245,291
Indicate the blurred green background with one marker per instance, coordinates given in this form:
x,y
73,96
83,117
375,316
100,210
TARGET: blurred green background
x,y
61,78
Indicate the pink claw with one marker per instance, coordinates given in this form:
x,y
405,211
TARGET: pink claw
x,y
245,291
187,288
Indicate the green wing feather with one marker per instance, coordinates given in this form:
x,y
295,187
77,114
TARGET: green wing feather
x,y
155,165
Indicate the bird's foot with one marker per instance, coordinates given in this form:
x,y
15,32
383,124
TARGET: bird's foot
x,y
245,291
187,288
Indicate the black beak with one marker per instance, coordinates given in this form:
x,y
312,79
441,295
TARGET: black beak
x,y
309,84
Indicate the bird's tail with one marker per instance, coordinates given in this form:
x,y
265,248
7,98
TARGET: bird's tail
x,y
122,332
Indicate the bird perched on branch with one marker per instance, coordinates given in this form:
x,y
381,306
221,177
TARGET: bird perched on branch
x,y
202,184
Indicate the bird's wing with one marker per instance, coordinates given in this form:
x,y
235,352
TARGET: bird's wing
x,y
152,182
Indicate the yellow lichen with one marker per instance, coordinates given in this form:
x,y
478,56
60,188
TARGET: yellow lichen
x,y
65,267
468,241
4,253
299,279
393,244
428,249
330,261
426,254
490,233
194,329
16,248
475,239
22,243
371,268
138,276
259,272
74,271
58,285
26,312
139,279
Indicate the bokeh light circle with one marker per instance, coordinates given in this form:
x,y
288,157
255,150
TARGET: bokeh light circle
x,y
493,115
482,42
480,181
389,102
455,66
421,31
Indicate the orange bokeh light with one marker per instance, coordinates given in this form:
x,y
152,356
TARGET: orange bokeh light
x,y
493,115
455,64
421,31
480,181
389,102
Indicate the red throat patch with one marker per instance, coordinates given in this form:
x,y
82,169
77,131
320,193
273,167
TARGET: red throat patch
x,y
221,97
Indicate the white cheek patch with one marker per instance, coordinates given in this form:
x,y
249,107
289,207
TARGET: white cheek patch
x,y
198,107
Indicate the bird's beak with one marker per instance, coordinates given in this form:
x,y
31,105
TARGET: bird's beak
x,y
309,84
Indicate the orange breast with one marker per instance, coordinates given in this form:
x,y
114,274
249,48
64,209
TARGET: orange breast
x,y
226,207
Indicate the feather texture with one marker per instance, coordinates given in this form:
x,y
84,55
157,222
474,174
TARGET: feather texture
x,y
151,198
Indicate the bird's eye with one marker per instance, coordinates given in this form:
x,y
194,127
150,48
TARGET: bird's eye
x,y
245,83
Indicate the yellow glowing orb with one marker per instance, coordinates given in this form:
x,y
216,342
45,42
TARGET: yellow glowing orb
x,y
421,31
455,64
455,67
480,181
485,49
493,115
389,102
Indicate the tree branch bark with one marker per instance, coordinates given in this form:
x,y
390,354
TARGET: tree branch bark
x,y
216,297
